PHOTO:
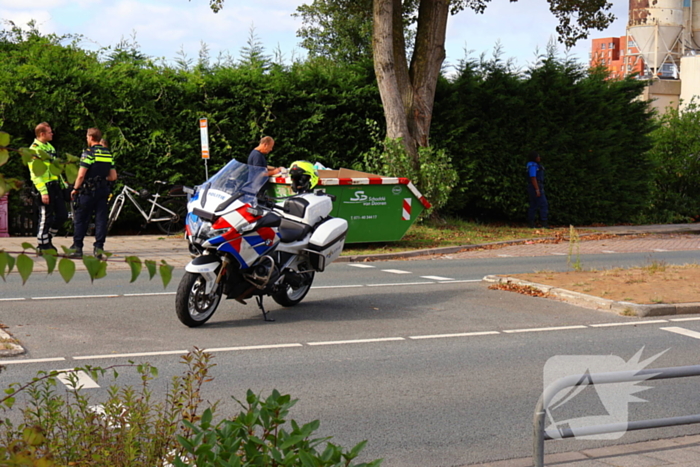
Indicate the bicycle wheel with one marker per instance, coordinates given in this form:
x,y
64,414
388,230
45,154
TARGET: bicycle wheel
x,y
176,224
114,212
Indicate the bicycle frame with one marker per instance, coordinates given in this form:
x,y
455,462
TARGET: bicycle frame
x,y
128,192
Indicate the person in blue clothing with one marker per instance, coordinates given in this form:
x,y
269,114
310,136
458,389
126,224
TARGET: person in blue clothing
x,y
535,192
258,156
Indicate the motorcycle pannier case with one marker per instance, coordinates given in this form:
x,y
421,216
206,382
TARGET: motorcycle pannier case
x,y
327,242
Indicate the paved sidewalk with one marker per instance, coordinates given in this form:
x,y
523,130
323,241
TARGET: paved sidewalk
x,y
678,452
173,249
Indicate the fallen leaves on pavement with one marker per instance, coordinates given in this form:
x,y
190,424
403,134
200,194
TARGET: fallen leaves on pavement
x,y
522,289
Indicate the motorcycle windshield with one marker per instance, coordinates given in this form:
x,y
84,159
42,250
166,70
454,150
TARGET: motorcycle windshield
x,y
236,178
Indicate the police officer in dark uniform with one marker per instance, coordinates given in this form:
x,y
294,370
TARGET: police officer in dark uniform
x,y
91,190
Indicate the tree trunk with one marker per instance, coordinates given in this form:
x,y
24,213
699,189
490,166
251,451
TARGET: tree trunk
x,y
408,94
390,69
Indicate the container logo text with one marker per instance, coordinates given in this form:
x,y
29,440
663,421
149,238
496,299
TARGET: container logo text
x,y
360,197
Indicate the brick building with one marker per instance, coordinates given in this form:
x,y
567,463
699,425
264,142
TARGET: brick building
x,y
617,55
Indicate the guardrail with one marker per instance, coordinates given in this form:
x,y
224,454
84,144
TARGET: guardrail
x,y
540,435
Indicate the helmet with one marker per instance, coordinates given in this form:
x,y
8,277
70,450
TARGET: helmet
x,y
304,176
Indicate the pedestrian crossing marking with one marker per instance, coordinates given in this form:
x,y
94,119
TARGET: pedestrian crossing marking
x,y
683,332
83,380
437,278
396,271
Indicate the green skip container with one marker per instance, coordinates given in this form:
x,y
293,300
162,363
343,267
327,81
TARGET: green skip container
x,y
378,209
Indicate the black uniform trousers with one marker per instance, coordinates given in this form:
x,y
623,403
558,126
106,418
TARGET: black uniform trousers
x,y
52,215
93,201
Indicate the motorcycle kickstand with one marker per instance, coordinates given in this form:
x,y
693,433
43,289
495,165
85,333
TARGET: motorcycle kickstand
x,y
259,300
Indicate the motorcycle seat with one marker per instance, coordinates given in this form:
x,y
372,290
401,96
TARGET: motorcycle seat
x,y
291,231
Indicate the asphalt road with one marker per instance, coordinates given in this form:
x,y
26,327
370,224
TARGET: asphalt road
x,y
418,357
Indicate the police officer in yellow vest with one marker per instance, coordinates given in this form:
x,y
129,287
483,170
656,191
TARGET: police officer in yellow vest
x,y
52,205
92,191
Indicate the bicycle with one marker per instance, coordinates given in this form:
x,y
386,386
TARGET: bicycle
x,y
170,215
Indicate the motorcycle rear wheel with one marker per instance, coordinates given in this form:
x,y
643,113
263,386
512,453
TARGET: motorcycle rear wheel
x,y
192,305
291,296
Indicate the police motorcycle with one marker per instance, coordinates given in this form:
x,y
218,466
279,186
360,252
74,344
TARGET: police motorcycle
x,y
247,246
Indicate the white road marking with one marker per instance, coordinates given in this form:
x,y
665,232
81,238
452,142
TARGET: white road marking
x,y
130,355
678,330
462,334
683,332
559,254
34,360
462,281
628,323
358,341
396,271
437,278
74,296
557,328
147,294
505,256
609,251
253,347
659,249
399,283
83,379
360,265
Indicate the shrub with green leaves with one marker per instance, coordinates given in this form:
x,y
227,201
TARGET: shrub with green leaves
x,y
45,425
259,436
676,158
434,176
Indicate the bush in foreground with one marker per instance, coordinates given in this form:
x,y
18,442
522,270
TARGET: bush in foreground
x,y
46,427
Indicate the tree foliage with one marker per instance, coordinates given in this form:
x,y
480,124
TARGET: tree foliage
x,y
591,131
676,167
592,134
337,29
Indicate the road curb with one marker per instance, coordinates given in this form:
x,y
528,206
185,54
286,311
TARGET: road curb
x,y
10,347
601,304
460,248
430,251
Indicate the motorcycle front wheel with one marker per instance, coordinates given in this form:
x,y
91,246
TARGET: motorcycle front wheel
x,y
290,296
193,306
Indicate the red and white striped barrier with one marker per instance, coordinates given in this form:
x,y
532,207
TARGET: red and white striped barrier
x,y
367,181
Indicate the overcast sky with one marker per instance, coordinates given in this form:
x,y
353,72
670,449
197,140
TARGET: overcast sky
x,y
164,27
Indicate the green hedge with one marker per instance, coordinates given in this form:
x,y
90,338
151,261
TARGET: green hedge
x,y
592,132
